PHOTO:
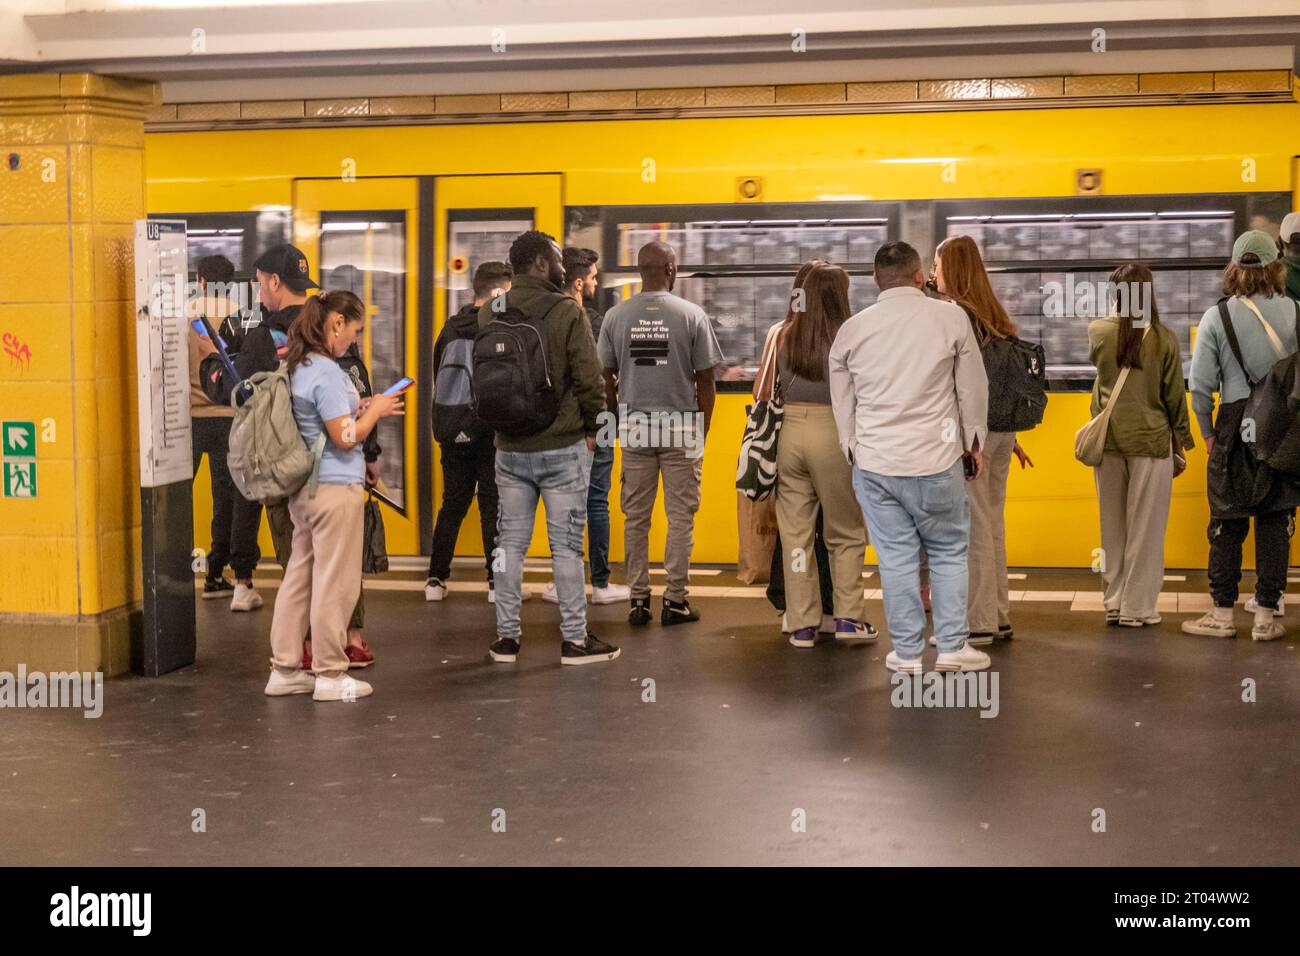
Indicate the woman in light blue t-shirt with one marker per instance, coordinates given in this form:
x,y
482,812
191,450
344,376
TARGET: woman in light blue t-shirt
x,y
323,576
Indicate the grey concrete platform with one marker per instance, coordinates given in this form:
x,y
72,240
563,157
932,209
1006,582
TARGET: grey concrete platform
x,y
1147,725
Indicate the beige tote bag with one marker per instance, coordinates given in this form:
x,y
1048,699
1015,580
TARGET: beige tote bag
x,y
1090,440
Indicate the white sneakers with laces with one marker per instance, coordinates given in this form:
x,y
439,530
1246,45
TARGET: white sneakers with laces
x,y
245,598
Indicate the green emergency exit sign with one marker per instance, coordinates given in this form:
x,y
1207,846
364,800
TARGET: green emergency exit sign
x,y
18,449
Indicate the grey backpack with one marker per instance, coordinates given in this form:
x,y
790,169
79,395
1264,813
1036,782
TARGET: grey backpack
x,y
268,458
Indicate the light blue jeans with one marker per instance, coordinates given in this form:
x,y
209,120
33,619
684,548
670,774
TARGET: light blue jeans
x,y
559,477
904,515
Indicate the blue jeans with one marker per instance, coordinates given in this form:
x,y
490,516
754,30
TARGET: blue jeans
x,y
904,515
559,477
602,468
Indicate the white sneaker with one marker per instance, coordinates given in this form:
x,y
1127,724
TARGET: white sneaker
x,y
1252,605
901,665
245,599
966,659
1216,622
434,589
611,593
344,688
1265,628
550,595
299,682
524,595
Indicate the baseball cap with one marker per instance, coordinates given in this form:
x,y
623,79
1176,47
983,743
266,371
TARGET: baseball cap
x,y
1256,243
289,264
1290,226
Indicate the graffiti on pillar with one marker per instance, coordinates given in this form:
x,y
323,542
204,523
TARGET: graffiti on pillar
x,y
17,350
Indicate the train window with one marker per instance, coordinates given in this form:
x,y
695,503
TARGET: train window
x,y
365,253
736,262
474,237
238,236
1047,257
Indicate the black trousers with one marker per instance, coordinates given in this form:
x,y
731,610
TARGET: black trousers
x,y
776,577
235,519
466,471
1272,554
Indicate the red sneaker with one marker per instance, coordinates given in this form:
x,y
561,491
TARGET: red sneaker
x,y
361,656
306,654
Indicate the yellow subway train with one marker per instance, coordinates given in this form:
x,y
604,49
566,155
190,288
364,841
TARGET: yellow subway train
x,y
1055,197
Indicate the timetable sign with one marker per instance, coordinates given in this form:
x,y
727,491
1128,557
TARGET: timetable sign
x,y
162,352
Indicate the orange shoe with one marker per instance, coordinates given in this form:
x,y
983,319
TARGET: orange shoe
x,y
361,656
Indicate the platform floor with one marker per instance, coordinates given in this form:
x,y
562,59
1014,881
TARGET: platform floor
x,y
745,731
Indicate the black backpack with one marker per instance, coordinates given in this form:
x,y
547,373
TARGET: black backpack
x,y
512,386
454,421
1270,421
1017,373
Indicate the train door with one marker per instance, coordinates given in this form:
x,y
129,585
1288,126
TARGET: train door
x,y
475,220
362,235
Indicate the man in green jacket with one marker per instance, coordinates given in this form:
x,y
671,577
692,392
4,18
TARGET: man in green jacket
x,y
553,464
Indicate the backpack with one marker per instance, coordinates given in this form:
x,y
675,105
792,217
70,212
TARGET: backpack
x,y
1017,373
268,459
1270,421
454,421
511,380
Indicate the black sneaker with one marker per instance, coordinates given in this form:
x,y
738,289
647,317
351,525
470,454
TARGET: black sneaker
x,y
504,650
640,613
217,588
678,613
590,651
1005,633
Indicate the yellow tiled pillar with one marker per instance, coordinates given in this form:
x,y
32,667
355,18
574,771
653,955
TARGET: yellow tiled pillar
x,y
71,184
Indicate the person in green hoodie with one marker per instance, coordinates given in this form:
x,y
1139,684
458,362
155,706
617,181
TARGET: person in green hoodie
x,y
553,464
1290,241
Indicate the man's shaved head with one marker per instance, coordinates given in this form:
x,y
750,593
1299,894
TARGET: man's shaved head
x,y
657,263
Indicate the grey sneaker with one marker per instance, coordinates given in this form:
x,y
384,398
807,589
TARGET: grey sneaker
x,y
1265,628
1210,624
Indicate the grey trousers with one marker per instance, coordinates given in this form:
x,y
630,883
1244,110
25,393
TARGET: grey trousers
x,y
640,486
1133,494
988,605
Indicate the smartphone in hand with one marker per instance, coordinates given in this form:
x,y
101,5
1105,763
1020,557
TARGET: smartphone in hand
x,y
401,385
968,464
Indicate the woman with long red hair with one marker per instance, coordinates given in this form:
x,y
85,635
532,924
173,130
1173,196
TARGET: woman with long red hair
x,y
960,276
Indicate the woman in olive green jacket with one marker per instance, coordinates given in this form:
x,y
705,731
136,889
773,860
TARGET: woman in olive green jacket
x,y
1149,430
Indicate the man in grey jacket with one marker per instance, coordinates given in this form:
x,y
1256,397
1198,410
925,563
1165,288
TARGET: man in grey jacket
x,y
910,398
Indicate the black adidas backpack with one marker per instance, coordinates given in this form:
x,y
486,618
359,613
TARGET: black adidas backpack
x,y
513,391
1017,373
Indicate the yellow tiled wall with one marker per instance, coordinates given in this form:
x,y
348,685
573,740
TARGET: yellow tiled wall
x,y
67,292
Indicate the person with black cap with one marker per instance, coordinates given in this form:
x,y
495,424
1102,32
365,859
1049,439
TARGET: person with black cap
x,y
282,283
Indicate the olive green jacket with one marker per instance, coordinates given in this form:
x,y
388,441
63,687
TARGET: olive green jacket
x,y
571,359
1153,405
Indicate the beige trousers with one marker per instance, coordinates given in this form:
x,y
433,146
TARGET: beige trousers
x,y
322,579
987,604
1133,495
811,472
682,473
